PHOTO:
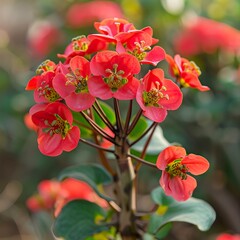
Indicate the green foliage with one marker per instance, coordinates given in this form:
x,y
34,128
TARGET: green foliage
x,y
139,129
78,220
194,211
93,174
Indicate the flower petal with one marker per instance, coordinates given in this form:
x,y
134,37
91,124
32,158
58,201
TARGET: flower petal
x,y
168,155
196,164
181,190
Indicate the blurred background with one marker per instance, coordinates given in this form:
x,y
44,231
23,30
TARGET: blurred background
x,y
208,123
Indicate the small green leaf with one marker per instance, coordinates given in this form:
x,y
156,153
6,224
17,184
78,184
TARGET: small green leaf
x,y
76,220
93,174
194,211
139,129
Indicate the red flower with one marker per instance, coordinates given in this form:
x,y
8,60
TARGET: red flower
x,y
175,165
157,94
72,84
72,189
55,131
43,36
206,35
109,28
185,72
113,75
226,236
138,43
92,11
54,195
82,46
48,191
42,84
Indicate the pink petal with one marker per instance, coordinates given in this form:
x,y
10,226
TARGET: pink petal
x,y
196,164
156,114
100,62
50,145
128,91
98,88
181,190
168,155
174,94
72,139
79,101
154,56
61,109
60,86
164,183
126,62
81,64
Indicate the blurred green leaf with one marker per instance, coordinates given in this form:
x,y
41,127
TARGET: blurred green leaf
x,y
157,144
93,174
194,211
139,129
79,220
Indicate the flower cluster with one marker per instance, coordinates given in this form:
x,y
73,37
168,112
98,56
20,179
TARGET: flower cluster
x,y
108,65
53,195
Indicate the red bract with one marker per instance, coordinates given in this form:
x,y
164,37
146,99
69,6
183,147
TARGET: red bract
x,y
110,28
226,236
157,94
82,46
92,11
72,189
113,75
175,165
138,43
206,35
42,37
55,131
72,84
53,195
186,72
42,84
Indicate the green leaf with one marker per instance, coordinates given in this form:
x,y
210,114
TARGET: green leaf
x,y
157,144
139,129
93,174
109,113
194,211
79,220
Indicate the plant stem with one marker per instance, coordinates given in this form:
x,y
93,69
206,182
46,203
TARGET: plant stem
x,y
143,135
118,115
96,146
142,160
97,128
134,122
128,118
104,118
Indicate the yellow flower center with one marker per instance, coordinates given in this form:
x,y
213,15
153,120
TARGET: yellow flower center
x,y
48,92
177,169
57,126
80,43
78,81
115,80
152,97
